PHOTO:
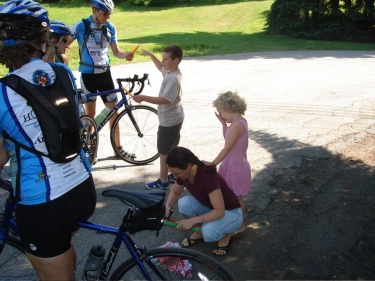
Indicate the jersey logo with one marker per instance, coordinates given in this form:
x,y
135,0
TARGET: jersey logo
x,y
41,78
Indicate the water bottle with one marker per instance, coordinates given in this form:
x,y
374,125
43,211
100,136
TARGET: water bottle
x,y
94,263
102,115
82,111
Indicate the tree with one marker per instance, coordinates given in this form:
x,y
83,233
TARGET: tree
x,y
345,20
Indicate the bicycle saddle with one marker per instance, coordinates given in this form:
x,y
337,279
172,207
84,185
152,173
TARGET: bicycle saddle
x,y
143,200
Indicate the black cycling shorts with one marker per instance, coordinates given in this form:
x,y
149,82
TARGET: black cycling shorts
x,y
45,229
99,82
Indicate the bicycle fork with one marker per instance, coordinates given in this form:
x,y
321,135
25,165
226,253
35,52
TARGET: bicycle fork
x,y
131,116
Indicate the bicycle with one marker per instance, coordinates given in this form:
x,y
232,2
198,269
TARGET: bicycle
x,y
138,133
154,264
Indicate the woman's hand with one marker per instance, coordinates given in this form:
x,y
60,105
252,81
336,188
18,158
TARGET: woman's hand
x,y
186,224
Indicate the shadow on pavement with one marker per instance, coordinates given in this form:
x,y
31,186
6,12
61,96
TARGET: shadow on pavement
x,y
310,216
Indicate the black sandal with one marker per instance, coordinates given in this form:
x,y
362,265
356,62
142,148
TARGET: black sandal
x,y
190,241
223,248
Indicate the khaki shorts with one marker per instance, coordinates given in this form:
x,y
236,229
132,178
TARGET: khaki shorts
x,y
168,138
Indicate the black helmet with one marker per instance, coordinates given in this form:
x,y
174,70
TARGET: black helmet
x,y
22,20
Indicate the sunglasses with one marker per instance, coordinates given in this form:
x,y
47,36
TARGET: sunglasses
x,y
106,13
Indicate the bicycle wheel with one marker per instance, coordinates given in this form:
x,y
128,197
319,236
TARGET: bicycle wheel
x,y
169,264
89,144
14,264
142,143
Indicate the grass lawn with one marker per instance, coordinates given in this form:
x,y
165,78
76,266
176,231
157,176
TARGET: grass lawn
x,y
205,29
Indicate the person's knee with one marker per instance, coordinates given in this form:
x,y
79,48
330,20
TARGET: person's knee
x,y
184,206
210,233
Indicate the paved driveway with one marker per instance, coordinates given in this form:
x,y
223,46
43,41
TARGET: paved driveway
x,y
315,98
306,98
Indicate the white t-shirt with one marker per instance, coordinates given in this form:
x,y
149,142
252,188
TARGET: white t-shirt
x,y
172,113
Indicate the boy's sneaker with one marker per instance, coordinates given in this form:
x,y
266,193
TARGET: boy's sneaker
x,y
124,153
171,178
157,184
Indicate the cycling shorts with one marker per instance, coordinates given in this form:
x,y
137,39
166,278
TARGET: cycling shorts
x,y
168,138
46,229
99,82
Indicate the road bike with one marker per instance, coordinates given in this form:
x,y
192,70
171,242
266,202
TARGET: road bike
x,y
138,125
144,264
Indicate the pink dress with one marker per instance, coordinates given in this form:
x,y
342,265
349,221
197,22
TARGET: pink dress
x,y
235,168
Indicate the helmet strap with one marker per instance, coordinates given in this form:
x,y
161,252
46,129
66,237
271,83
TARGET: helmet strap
x,y
32,43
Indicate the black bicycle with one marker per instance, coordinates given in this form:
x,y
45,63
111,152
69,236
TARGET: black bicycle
x,y
144,264
138,125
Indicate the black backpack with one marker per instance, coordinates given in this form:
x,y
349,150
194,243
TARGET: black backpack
x,y
57,112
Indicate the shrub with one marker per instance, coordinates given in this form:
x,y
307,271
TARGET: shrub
x,y
322,20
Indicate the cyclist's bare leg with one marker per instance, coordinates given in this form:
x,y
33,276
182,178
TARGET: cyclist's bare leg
x,y
163,176
91,108
117,133
57,268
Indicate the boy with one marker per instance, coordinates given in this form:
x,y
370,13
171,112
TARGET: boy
x,y
170,111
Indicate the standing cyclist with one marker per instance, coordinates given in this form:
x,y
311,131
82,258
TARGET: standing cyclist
x,y
94,36
51,197
57,42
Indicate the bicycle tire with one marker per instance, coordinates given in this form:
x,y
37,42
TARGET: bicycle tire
x,y
14,264
89,144
203,267
143,146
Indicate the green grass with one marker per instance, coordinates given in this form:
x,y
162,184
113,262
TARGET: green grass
x,y
206,29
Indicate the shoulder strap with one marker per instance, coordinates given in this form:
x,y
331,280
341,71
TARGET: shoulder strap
x,y
87,30
87,34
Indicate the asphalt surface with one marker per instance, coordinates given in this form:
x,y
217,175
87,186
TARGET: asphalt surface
x,y
313,97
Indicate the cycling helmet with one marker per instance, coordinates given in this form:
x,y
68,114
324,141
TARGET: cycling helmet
x,y
60,27
104,5
22,20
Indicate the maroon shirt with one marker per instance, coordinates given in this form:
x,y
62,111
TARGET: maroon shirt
x,y
204,183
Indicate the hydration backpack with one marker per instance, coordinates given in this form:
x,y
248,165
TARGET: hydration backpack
x,y
88,30
56,109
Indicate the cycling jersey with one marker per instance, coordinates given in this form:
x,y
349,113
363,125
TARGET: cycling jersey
x,y
40,179
96,50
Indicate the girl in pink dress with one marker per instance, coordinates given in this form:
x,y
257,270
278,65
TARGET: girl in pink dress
x,y
234,167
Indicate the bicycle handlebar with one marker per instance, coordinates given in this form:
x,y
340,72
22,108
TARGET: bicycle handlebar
x,y
133,81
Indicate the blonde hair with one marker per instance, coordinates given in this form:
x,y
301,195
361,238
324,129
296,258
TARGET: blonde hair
x,y
230,102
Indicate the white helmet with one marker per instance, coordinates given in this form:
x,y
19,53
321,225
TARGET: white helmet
x,y
103,5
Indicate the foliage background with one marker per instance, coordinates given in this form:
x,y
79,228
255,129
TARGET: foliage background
x,y
345,20
204,27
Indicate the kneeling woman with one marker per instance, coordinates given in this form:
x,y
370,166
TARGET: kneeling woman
x,y
212,204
